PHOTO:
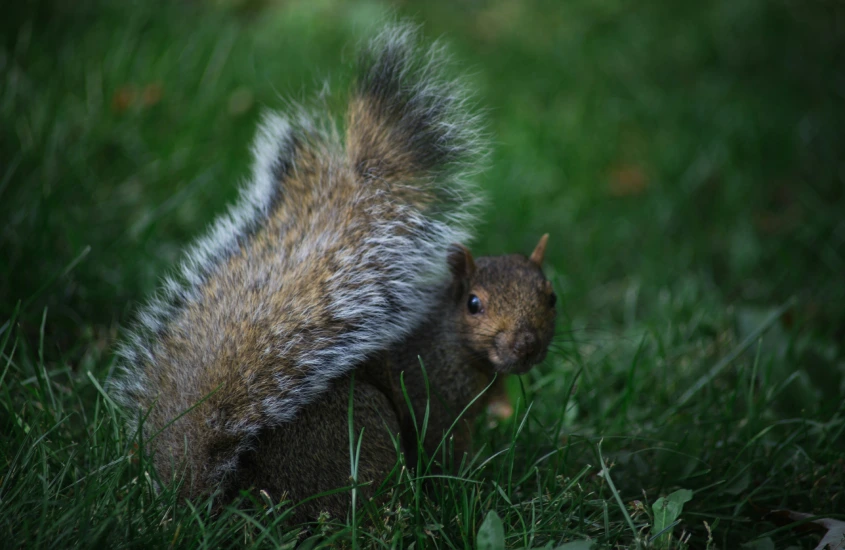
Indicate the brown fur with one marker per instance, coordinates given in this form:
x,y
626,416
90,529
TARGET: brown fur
x,y
460,351
234,325
333,255
301,459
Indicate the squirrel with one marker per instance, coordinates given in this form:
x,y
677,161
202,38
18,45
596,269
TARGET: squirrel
x,y
338,265
494,317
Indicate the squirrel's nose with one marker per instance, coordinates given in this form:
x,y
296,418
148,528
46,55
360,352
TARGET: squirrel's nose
x,y
524,344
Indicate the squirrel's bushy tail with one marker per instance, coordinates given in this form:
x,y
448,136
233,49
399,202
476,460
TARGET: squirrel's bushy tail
x,y
409,122
328,259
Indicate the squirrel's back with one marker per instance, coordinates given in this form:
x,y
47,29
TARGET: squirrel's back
x,y
325,259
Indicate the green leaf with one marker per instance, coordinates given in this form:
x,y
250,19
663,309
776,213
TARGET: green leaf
x,y
491,534
739,484
311,542
666,511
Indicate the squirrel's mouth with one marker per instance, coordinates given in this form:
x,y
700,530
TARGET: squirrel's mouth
x,y
510,363
515,352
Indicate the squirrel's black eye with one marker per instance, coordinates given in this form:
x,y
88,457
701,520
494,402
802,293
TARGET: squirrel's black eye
x,y
552,300
474,304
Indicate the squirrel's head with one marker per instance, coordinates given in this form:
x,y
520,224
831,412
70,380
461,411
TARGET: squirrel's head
x,y
505,307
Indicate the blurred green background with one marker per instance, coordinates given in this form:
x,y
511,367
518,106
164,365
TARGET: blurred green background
x,y
688,160
657,142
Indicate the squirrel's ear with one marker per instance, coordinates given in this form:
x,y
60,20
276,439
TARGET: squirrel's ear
x,y
460,262
539,251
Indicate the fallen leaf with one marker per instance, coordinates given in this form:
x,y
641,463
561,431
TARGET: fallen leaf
x,y
151,95
499,406
627,181
834,538
123,98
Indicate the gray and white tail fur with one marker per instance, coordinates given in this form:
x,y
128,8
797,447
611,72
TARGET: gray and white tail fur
x,y
328,258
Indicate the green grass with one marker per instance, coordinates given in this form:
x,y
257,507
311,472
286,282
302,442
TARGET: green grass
x,y
687,161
